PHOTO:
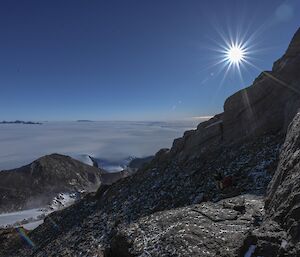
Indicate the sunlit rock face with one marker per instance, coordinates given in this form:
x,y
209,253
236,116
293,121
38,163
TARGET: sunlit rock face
x,y
36,184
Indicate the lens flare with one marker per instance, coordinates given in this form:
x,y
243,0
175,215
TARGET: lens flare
x,y
21,231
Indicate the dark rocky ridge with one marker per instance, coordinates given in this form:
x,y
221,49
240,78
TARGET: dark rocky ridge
x,y
159,211
21,122
138,163
34,185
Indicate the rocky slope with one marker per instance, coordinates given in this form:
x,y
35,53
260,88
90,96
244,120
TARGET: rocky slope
x,y
36,184
173,207
208,229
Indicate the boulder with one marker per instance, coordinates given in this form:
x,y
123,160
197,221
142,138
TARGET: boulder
x,y
207,229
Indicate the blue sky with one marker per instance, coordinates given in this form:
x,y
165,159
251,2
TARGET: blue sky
x,y
131,59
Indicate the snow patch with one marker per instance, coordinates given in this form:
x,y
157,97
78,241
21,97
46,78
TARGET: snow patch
x,y
283,244
63,200
15,219
30,219
33,225
250,251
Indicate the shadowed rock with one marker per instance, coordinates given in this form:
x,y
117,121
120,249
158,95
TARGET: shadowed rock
x,y
280,234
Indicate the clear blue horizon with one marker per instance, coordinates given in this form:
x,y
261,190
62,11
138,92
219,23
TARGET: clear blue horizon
x,y
132,60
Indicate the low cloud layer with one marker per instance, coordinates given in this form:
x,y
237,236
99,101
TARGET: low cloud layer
x,y
21,144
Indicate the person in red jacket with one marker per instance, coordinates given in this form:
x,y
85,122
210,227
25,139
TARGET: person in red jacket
x,y
223,182
227,182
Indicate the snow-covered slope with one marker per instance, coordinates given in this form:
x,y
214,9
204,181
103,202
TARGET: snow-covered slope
x,y
32,218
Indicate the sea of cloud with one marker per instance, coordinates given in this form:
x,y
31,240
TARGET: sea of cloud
x,y
112,141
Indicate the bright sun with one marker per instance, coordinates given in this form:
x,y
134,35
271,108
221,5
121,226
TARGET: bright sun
x,y
235,54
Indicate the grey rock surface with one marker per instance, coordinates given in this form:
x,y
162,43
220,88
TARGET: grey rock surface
x,y
282,221
208,229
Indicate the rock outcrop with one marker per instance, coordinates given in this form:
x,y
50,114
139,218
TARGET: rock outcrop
x,y
138,163
108,178
174,207
280,233
208,230
37,183
265,107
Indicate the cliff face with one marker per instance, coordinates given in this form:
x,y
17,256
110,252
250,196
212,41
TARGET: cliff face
x,y
173,207
284,189
280,232
35,184
270,103
267,106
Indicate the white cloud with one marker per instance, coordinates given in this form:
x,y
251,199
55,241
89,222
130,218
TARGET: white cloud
x,y
21,144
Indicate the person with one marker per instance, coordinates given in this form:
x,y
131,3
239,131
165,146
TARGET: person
x,y
227,182
223,181
218,179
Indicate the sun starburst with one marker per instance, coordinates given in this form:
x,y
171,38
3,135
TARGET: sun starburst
x,y
235,54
